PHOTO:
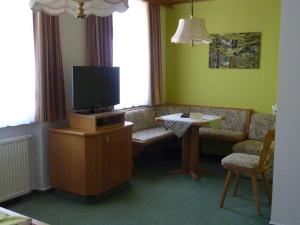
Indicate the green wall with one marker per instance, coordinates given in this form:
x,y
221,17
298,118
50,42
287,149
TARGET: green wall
x,y
190,81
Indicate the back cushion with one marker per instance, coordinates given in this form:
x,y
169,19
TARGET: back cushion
x,y
142,118
235,119
259,125
168,109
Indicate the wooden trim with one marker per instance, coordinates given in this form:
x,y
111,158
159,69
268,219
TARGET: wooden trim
x,y
192,105
223,138
170,3
84,133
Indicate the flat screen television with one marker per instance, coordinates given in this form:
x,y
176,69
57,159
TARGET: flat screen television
x,y
95,87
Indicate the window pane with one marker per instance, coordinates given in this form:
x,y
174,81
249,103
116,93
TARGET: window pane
x,y
131,53
17,69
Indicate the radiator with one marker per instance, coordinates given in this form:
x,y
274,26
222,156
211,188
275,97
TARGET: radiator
x,y
14,167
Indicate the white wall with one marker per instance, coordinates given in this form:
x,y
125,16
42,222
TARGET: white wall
x,y
73,44
286,184
73,51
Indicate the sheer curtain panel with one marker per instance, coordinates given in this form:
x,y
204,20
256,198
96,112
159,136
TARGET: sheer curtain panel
x,y
17,76
131,53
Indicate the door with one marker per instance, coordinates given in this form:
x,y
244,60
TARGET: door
x,y
117,157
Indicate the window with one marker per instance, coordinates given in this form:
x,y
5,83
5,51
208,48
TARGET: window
x,y
17,67
132,53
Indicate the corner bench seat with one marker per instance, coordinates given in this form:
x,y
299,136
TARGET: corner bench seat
x,y
253,147
233,128
147,131
260,123
222,134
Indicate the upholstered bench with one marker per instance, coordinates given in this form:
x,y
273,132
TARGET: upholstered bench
x,y
147,131
233,128
259,125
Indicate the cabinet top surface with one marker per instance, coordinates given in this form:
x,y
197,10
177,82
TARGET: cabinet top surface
x,y
82,132
99,115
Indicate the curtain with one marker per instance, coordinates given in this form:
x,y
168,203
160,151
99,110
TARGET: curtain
x,y
99,40
156,79
50,94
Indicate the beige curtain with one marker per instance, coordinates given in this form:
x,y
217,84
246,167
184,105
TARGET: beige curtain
x,y
99,31
157,88
50,94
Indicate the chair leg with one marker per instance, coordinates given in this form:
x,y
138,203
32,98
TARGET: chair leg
x,y
227,181
255,193
267,186
237,182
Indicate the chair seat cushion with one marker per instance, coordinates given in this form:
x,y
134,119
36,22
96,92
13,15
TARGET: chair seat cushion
x,y
253,147
241,160
224,134
151,134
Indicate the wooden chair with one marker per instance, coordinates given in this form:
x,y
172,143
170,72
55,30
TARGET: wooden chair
x,y
251,164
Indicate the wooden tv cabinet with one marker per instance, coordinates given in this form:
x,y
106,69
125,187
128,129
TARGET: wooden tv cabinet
x,y
91,156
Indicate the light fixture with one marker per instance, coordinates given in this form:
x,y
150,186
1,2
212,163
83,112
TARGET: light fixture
x,y
79,8
191,31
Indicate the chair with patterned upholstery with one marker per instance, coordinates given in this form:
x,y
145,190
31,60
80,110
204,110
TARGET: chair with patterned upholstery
x,y
251,164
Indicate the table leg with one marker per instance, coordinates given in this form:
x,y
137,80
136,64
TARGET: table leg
x,y
185,151
194,152
195,171
185,154
190,155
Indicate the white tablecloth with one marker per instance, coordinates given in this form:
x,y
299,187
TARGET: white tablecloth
x,y
180,125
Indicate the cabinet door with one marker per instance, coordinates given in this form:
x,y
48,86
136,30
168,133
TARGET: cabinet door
x,y
117,157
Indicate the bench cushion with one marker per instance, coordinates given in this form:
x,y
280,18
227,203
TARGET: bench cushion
x,y
248,146
259,125
151,134
222,134
235,119
242,160
142,118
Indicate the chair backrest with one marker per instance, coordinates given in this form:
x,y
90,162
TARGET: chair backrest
x,y
268,150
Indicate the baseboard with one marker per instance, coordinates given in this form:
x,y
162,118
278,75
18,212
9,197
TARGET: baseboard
x,y
45,189
274,223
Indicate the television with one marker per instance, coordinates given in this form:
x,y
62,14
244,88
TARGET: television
x,y
95,87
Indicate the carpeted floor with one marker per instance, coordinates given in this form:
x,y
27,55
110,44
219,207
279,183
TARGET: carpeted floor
x,y
154,198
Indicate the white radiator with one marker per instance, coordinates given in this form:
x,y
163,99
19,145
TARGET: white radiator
x,y
14,167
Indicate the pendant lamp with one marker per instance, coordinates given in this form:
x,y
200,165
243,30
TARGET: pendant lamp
x,y
191,31
79,8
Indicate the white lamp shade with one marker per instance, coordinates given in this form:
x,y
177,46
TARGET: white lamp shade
x,y
91,7
191,31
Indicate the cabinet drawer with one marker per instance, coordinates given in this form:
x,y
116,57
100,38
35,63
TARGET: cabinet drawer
x,y
117,135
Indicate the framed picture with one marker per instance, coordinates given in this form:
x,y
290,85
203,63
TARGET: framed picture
x,y
235,51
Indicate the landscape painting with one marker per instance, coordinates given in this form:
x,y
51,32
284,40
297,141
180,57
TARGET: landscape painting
x,y
235,51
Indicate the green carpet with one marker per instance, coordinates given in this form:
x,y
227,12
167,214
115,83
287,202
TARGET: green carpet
x,y
154,198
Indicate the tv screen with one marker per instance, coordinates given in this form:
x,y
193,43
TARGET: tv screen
x,y
95,87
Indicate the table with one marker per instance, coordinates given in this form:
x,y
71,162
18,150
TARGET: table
x,y
190,141
9,212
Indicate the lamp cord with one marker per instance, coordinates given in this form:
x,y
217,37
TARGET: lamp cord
x,y
192,6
